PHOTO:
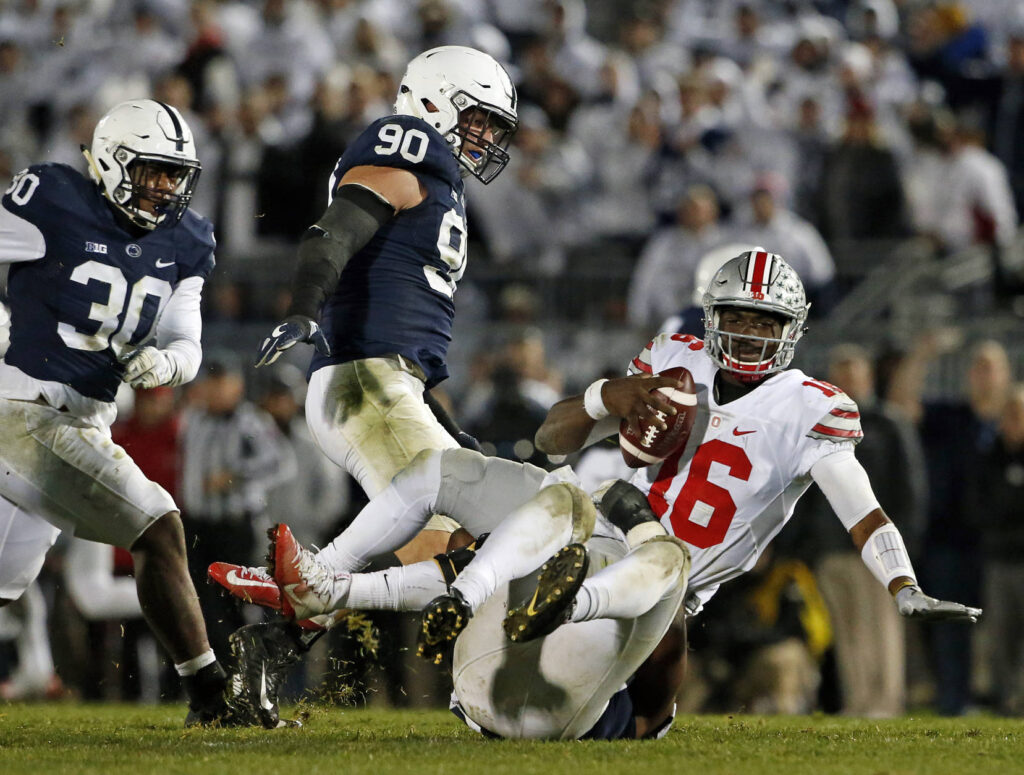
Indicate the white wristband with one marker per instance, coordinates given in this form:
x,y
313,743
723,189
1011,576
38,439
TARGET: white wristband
x,y
593,405
886,556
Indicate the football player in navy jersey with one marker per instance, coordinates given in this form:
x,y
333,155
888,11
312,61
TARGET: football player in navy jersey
x,y
96,267
376,276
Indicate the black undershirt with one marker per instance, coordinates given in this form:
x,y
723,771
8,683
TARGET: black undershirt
x,y
726,392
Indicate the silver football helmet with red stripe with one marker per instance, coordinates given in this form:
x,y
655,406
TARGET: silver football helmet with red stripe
x,y
762,281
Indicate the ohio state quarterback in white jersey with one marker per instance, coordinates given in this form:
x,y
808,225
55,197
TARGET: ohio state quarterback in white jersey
x,y
761,436
730,491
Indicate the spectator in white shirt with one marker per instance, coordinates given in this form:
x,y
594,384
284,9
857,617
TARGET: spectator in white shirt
x,y
975,202
665,275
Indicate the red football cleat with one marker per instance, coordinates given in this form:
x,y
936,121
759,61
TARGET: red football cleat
x,y
308,587
253,585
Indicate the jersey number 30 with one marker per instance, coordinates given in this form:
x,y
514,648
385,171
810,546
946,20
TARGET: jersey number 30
x,y
129,309
124,305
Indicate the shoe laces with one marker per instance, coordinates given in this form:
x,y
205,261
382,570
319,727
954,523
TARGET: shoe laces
x,y
260,573
318,577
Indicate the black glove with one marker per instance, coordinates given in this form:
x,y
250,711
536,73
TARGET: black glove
x,y
915,604
291,330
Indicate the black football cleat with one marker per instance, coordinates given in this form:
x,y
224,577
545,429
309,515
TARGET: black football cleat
x,y
263,654
444,618
222,713
551,605
211,703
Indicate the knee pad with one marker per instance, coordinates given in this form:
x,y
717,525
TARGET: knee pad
x,y
465,465
669,552
568,497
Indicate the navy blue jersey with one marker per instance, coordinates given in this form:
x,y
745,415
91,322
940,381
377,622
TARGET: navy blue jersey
x,y
395,295
98,290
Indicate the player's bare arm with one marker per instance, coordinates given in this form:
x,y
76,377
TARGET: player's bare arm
x,y
399,188
568,426
845,483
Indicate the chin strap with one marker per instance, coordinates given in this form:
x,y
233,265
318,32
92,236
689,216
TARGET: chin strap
x,y
94,170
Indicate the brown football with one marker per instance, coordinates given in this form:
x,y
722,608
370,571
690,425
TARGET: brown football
x,y
653,445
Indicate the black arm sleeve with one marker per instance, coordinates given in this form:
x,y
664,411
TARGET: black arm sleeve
x,y
354,216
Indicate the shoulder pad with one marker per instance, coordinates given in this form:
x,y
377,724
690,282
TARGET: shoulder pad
x,y
841,421
674,343
404,142
198,231
45,186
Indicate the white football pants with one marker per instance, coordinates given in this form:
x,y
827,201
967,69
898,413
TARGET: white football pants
x,y
369,417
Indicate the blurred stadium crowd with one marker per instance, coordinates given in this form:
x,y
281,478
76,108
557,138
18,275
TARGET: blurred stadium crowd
x,y
878,145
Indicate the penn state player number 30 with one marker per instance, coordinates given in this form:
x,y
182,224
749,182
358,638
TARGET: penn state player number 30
x,y
136,323
129,308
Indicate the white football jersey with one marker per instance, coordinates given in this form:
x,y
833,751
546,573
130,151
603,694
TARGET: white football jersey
x,y
730,490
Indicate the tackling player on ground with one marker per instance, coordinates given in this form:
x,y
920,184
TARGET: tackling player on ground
x,y
510,679
96,267
374,285
771,431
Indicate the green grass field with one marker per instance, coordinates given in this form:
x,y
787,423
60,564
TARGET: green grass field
x,y
71,738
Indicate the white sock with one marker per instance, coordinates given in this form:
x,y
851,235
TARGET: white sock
x,y
34,656
194,665
644,532
389,521
524,540
403,588
632,586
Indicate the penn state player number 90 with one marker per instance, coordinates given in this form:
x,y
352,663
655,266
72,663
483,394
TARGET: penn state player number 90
x,y
411,144
129,308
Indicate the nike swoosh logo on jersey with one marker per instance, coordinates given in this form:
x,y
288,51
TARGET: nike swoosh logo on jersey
x,y
265,702
738,432
161,264
235,579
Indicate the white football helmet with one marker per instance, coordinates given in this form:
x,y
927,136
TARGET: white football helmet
x,y
131,143
755,280
443,84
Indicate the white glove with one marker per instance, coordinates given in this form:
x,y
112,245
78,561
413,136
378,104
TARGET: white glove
x,y
147,368
915,604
